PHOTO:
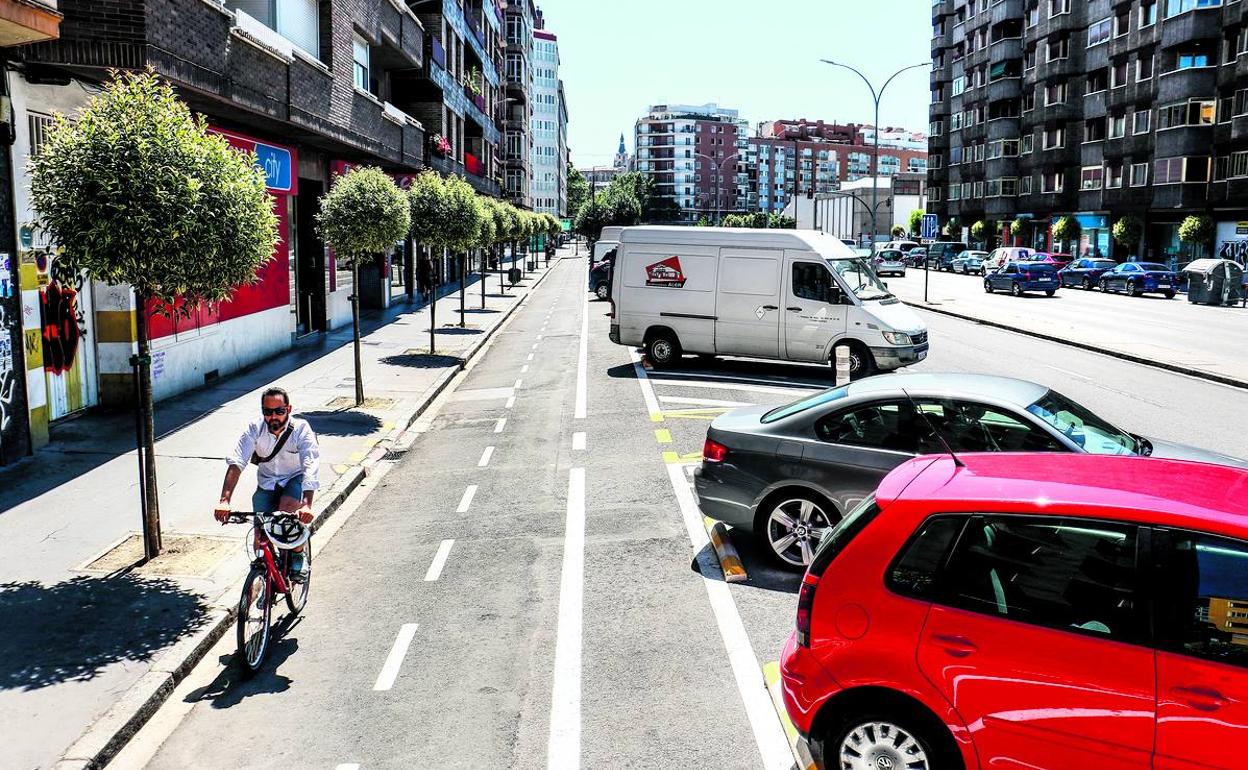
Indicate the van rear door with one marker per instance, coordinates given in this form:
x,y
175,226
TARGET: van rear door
x,y
814,308
748,303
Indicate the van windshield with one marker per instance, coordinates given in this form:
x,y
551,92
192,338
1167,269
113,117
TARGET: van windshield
x,y
861,278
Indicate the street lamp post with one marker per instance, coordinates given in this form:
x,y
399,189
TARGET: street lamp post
x,y
875,153
717,166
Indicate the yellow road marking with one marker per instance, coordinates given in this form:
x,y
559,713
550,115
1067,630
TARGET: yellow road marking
x,y
771,675
656,417
357,457
663,436
341,469
675,458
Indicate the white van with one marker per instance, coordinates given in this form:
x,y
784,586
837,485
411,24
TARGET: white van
x,y
792,295
997,259
608,239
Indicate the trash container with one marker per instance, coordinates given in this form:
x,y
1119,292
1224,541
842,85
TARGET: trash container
x,y
1214,281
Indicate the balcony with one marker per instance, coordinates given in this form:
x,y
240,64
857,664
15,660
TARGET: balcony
x,y
1183,141
1179,85
1191,195
448,166
1191,26
28,21
1006,10
1005,88
1007,49
437,53
1239,127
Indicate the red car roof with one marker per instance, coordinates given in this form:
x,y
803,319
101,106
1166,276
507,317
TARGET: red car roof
x,y
1170,492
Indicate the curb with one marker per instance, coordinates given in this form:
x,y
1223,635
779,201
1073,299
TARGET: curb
x,y
109,733
801,756
1199,374
729,559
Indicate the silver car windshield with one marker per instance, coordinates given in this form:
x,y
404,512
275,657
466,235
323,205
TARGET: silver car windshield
x,y
861,278
802,404
1082,426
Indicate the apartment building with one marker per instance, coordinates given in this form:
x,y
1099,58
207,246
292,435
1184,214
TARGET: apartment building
x,y
1097,110
792,158
520,18
697,156
549,127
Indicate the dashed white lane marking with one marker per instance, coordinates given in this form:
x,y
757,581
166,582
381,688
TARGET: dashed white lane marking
x,y
348,766
582,365
539,337
700,401
647,390
563,750
578,440
534,346
530,358
394,661
518,384
524,369
510,403
498,426
465,502
764,722
485,457
439,559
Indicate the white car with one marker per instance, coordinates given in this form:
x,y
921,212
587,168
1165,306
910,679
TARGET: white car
x,y
790,295
999,257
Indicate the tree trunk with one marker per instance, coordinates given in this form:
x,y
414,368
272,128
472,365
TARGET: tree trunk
x,y
502,252
355,327
147,451
484,258
463,286
409,268
433,305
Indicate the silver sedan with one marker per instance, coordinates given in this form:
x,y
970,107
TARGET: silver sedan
x,y
788,473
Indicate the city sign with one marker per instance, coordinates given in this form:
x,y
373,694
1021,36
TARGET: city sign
x,y
931,226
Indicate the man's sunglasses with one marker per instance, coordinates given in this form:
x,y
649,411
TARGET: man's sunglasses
x,y
279,411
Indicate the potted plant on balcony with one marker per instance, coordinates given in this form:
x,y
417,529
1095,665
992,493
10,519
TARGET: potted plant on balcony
x,y
440,145
472,81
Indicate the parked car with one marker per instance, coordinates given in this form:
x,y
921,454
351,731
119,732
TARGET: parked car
x,y
1136,278
917,257
600,275
1058,261
850,242
940,254
890,263
1000,256
1028,611
791,295
1085,273
903,246
969,263
1020,277
765,469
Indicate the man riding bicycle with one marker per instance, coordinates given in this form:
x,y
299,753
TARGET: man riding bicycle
x,y
288,464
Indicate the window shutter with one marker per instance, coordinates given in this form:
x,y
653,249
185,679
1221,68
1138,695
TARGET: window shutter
x,y
299,21
260,10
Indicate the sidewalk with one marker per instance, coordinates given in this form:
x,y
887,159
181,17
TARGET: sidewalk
x,y
1201,341
76,639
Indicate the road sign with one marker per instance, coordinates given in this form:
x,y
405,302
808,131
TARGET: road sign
x,y
931,227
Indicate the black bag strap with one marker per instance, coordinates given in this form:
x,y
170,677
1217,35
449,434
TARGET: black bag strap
x,y
281,442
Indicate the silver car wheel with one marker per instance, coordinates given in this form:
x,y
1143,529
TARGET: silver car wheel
x,y
881,746
794,530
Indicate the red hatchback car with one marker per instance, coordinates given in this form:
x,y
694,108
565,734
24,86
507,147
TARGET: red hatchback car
x,y
1029,611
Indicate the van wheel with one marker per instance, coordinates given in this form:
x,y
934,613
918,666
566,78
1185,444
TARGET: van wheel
x,y
880,738
861,362
663,350
602,291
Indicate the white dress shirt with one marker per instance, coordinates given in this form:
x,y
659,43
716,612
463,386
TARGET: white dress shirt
x,y
300,454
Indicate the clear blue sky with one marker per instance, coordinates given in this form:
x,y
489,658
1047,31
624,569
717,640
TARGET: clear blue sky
x,y
758,57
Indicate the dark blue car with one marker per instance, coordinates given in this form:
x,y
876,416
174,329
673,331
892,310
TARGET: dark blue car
x,y
1136,278
1020,277
1085,273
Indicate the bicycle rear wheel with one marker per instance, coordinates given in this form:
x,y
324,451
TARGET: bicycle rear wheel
x,y
297,596
254,610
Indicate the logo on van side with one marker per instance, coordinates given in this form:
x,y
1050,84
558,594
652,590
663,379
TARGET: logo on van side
x,y
665,273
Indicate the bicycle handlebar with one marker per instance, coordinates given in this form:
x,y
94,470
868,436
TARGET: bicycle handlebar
x,y
243,517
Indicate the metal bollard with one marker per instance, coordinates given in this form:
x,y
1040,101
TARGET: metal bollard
x,y
841,364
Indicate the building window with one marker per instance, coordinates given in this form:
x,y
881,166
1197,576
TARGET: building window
x,y
1098,80
979,189
1054,93
1029,58
1091,177
359,54
1175,7
1024,186
1052,182
1113,174
1054,137
299,21
1144,67
1238,164
979,151
1148,13
1118,75
1139,174
1186,61
1029,100
1117,126
1179,170
1058,7
1028,143
935,128
1099,32
1140,121
1057,49
1122,21
1094,130
958,85
933,193
1197,112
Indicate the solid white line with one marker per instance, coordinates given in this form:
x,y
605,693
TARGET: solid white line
x,y
582,365
510,403
390,671
354,766
539,336
485,457
530,358
764,722
534,346
466,500
647,390
578,440
498,426
524,369
700,401
563,750
439,559
518,384
794,391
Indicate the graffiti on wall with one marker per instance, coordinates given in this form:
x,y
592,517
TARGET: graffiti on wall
x,y
64,324
8,377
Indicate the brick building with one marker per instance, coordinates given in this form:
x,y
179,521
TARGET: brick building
x,y
696,155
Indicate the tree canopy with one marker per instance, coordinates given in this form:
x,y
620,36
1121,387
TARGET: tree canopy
x,y
363,214
578,191
137,191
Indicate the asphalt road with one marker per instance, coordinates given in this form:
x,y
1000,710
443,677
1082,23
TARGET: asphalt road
x,y
578,618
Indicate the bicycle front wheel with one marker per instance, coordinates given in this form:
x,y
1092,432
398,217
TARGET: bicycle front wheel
x,y
254,608
297,596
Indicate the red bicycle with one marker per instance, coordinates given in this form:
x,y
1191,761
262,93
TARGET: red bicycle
x,y
275,535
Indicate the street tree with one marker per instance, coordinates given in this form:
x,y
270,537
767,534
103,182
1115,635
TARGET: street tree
x,y
898,231
1065,230
1196,232
953,228
487,236
915,220
1128,231
1018,227
426,199
361,216
578,190
136,191
463,221
981,230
